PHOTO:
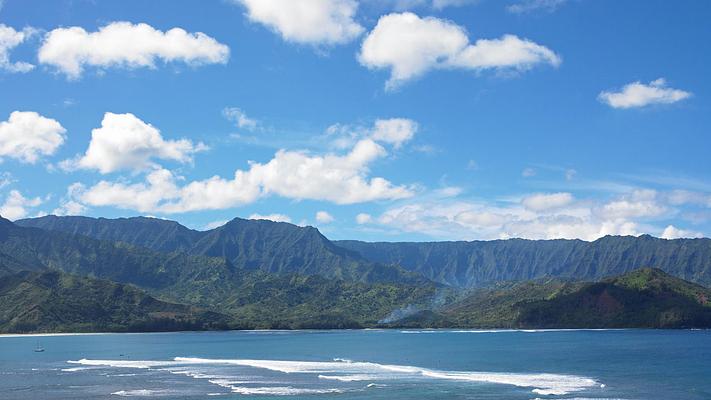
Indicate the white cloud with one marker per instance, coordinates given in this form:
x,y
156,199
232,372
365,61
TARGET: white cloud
x,y
411,46
395,131
127,45
547,201
126,142
16,205
470,220
272,217
637,94
317,22
638,204
9,39
324,217
537,216
240,118
364,218
680,197
528,172
27,136
448,191
435,4
70,208
672,232
527,6
341,179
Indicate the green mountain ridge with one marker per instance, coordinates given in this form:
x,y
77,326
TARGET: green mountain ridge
x,y
479,263
254,298
269,246
267,275
282,247
52,301
643,298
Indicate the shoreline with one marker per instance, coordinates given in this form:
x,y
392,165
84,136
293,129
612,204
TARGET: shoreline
x,y
405,331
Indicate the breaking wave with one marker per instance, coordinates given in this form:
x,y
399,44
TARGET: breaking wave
x,y
347,371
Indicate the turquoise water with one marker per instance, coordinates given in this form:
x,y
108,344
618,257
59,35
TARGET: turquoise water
x,y
627,364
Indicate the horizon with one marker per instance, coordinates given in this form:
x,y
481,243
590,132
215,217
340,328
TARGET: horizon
x,y
565,119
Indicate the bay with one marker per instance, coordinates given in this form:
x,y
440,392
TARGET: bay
x,y
361,364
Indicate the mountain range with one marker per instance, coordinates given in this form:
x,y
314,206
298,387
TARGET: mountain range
x,y
263,274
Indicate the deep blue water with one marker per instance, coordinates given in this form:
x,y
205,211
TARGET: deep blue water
x,y
628,364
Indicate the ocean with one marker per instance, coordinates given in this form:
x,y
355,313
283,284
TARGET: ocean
x,y
361,364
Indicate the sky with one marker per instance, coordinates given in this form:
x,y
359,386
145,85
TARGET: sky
x,y
391,120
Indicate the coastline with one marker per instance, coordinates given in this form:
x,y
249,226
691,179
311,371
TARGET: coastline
x,y
405,331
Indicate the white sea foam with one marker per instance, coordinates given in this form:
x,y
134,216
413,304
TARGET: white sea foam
x,y
430,331
281,390
125,363
142,393
350,378
582,398
76,369
541,383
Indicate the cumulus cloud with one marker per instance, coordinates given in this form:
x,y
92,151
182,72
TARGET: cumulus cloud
x,y
9,39
547,201
324,217
27,136
537,216
341,179
70,208
528,6
410,46
638,94
395,131
127,45
240,118
125,142
316,22
672,232
16,205
363,218
638,204
272,217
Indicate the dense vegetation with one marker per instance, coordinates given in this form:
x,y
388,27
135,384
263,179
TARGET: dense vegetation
x,y
281,247
644,298
480,263
269,246
51,301
254,298
151,274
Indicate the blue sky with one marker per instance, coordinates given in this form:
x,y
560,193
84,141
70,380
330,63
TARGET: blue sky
x,y
374,120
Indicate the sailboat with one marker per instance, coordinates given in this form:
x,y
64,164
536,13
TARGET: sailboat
x,y
39,348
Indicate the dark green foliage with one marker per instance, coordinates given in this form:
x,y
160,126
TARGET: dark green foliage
x,y
479,263
644,298
269,246
256,299
52,301
263,274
